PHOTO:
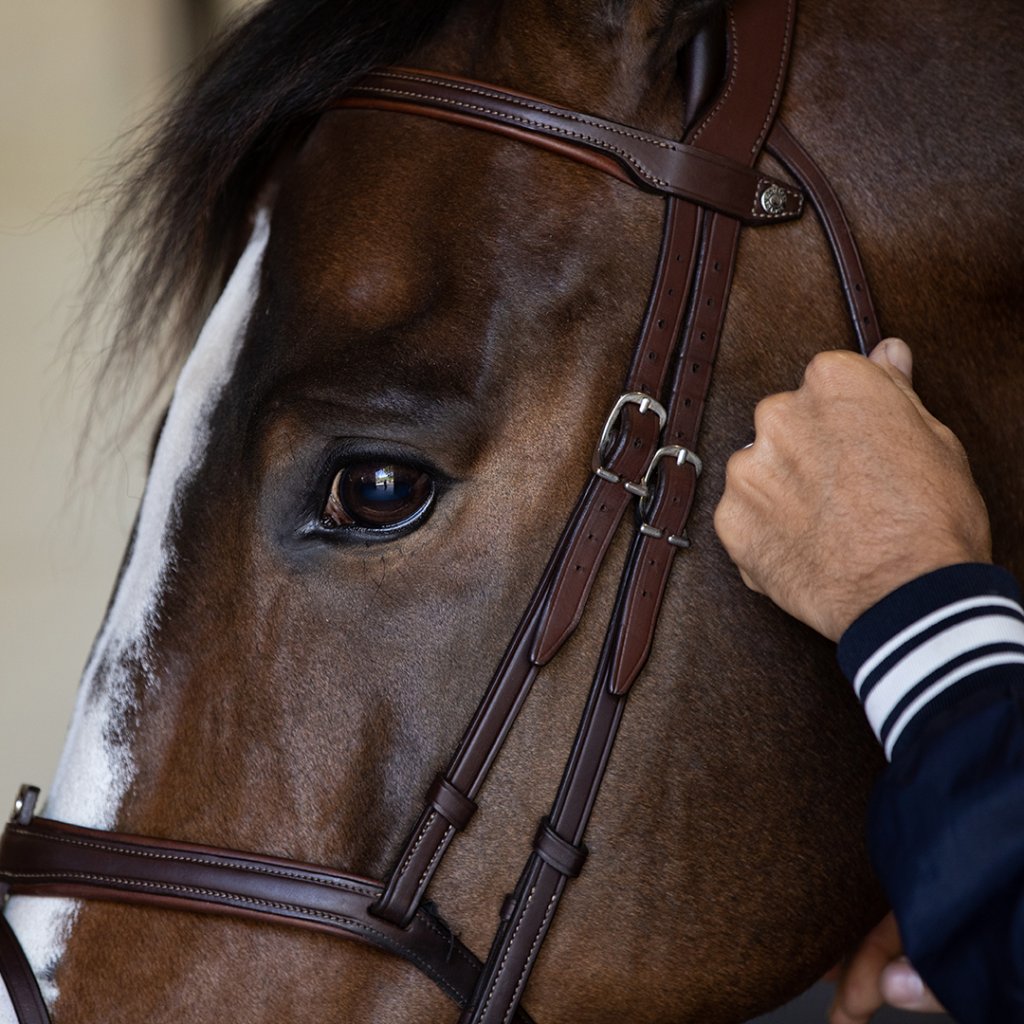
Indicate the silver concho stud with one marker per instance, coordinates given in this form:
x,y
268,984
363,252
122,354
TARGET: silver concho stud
x,y
774,200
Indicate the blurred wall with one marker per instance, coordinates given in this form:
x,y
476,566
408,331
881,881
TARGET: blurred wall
x,y
74,75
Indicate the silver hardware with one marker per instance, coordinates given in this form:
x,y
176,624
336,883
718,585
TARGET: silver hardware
x,y
25,805
645,404
681,456
671,451
774,200
638,489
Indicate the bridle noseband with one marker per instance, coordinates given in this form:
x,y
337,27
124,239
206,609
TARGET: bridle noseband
x,y
646,454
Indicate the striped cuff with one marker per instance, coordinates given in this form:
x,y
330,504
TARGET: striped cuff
x,y
952,628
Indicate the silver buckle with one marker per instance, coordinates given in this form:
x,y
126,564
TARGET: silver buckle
x,y
681,456
646,404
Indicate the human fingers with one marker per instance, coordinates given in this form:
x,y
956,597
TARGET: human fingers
x,y
903,988
859,993
735,518
894,354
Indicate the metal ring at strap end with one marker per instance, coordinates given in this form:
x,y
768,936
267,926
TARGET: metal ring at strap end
x,y
681,456
645,404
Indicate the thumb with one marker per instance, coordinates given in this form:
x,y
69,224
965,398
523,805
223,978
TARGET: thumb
x,y
902,987
894,354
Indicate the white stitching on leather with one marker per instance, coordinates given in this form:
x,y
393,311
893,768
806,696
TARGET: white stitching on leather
x,y
437,854
735,62
783,64
532,123
419,839
529,957
542,108
256,869
508,949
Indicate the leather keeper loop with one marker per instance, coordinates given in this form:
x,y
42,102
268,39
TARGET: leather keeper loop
x,y
508,907
557,852
456,808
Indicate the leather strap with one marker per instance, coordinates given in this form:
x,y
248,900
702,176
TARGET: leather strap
x,y
801,165
21,983
659,337
760,34
673,481
558,602
51,858
566,858
660,165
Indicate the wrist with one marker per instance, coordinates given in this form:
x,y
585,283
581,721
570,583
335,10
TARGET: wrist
x,y
889,577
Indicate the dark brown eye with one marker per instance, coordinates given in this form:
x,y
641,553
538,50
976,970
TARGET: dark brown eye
x,y
378,495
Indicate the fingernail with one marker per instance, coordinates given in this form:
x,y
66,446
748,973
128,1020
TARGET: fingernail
x,y
897,352
902,985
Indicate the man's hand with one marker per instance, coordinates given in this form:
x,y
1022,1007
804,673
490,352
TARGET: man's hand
x,y
850,489
878,975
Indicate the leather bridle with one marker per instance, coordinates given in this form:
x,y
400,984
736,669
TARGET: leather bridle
x,y
646,454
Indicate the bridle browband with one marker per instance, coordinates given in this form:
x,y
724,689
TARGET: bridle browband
x,y
646,453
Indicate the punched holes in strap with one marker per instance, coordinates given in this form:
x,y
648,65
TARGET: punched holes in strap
x,y
454,806
557,852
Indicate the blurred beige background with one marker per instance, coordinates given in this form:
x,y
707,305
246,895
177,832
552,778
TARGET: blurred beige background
x,y
74,76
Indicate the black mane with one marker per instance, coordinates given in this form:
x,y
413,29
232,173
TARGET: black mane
x,y
186,191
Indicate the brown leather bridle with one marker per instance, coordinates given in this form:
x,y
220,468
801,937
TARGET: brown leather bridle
x,y
646,453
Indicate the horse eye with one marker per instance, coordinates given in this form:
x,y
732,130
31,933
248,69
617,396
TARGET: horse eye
x,y
378,496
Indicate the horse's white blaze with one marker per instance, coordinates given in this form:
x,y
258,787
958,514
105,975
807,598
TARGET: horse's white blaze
x,y
97,764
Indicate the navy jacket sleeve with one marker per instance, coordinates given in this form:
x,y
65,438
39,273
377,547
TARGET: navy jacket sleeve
x,y
939,668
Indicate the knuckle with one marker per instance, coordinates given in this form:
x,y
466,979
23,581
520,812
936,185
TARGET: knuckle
x,y
734,466
831,370
770,413
949,439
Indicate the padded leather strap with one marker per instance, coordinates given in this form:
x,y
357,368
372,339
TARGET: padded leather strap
x,y
558,602
51,858
21,983
661,165
558,853
456,808
760,34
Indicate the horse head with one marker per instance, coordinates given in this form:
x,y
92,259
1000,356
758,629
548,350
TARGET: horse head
x,y
369,455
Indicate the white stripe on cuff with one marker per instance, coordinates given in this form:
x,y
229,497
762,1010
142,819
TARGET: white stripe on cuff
x,y
915,628
988,632
944,683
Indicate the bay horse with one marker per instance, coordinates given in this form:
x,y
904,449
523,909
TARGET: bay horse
x,y
286,663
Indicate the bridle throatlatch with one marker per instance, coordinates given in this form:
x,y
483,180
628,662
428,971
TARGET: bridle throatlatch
x,y
647,454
